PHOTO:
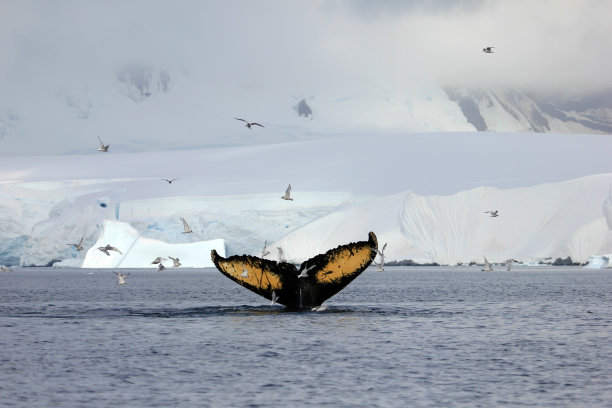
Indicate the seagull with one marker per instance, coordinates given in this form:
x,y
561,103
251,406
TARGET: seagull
x,y
488,50
509,263
274,297
382,257
249,124
186,227
304,273
264,251
158,260
245,273
169,181
5,269
176,262
161,267
287,195
493,213
79,246
281,255
121,278
487,266
102,147
107,248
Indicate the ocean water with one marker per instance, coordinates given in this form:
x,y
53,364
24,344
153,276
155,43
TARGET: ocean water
x,y
408,337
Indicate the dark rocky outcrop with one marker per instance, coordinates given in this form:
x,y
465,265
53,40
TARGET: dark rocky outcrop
x,y
303,109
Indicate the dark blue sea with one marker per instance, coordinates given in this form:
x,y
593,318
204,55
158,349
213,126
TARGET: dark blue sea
x,y
408,337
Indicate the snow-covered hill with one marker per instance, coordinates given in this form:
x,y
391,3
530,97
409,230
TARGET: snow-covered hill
x,y
147,108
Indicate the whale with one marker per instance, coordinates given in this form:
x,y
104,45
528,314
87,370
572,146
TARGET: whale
x,y
304,287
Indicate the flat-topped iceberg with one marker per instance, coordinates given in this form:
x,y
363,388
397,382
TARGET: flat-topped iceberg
x,y
599,261
139,252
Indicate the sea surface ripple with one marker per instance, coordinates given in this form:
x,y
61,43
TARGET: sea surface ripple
x,y
408,337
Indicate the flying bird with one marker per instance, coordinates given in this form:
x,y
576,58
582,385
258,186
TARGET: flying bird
x,y
249,124
5,269
79,246
264,251
186,228
274,297
287,195
121,278
245,273
169,180
488,50
493,213
158,260
487,266
161,267
102,147
281,255
175,261
304,273
382,257
107,248
509,263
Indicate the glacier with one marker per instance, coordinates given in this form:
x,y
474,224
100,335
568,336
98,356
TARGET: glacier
x,y
397,185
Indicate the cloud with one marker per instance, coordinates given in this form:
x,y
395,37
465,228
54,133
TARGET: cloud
x,y
277,45
548,45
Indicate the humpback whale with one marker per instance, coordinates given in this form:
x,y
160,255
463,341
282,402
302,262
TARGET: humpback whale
x,y
326,274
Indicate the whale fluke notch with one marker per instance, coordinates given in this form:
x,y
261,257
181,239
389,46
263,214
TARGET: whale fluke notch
x,y
328,273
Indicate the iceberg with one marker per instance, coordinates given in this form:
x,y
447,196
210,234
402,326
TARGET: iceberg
x,y
599,261
139,252
549,220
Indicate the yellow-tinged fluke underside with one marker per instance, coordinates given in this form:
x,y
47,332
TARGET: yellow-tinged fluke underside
x,y
343,262
257,275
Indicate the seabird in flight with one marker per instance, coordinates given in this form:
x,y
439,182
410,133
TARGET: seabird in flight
x,y
121,278
107,248
382,257
249,124
102,147
186,228
287,195
487,266
79,246
264,251
158,260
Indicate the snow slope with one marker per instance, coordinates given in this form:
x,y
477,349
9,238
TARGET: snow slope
x,y
549,220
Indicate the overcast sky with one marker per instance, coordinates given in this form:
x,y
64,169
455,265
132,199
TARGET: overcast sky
x,y
552,44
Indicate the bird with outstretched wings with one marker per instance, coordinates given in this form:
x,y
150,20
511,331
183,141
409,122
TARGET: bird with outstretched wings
x,y
249,124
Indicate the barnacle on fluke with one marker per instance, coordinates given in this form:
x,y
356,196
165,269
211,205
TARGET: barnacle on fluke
x,y
325,274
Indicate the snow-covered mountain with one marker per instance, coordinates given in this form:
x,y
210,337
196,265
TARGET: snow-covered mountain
x,y
522,111
146,108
